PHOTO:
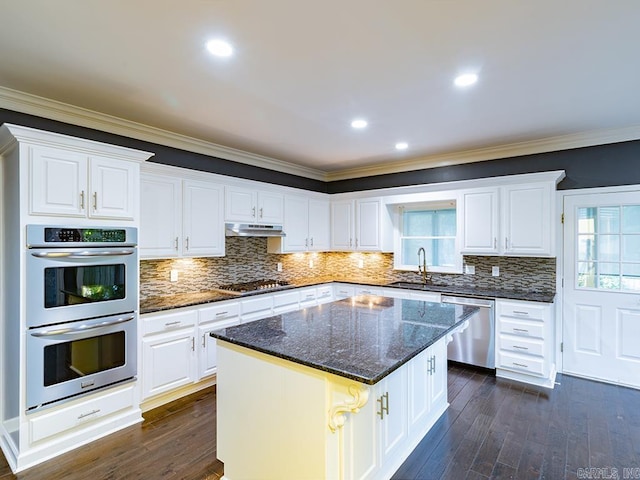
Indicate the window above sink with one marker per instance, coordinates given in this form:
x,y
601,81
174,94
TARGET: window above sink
x,y
433,226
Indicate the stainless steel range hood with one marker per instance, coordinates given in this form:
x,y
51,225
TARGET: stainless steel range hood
x,y
253,230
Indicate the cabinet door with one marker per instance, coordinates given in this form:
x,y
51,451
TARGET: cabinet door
x,y
207,359
438,376
58,182
319,225
240,205
368,225
160,213
270,207
527,219
393,420
202,222
114,188
480,221
296,224
418,371
168,361
342,225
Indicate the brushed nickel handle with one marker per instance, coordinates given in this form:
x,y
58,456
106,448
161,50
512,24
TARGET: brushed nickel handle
x,y
253,212
85,415
82,200
521,365
495,242
312,241
260,212
176,243
186,243
171,324
523,330
95,201
518,312
520,348
193,344
219,314
204,344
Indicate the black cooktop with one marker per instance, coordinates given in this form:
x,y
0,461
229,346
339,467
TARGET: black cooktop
x,y
250,287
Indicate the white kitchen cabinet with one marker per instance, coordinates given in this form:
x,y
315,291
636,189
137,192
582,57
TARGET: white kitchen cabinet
x,y
360,225
180,217
250,206
341,291
168,351
73,184
308,297
509,220
287,301
220,315
306,224
256,307
524,342
324,294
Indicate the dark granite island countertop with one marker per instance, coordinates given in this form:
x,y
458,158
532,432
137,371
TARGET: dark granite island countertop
x,y
360,338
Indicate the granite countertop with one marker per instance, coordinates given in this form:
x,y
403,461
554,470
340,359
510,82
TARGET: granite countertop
x,y
168,302
364,340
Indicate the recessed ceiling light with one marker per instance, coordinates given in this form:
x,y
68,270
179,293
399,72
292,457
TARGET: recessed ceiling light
x,y
359,123
220,48
466,79
402,146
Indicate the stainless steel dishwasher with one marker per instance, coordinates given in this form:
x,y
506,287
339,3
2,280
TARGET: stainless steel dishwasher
x,y
474,345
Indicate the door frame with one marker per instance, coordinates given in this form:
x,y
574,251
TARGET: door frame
x,y
559,300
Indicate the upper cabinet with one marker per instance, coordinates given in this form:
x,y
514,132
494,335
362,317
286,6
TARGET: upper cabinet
x,y
250,206
72,177
306,224
513,220
180,217
360,225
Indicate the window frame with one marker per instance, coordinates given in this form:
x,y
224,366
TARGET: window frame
x,y
398,264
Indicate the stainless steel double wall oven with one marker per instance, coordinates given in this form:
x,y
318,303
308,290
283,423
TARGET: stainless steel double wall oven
x,y
81,308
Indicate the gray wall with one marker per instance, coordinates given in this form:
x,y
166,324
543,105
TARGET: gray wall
x,y
588,167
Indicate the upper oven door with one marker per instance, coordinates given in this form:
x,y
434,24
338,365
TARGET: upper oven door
x,y
65,284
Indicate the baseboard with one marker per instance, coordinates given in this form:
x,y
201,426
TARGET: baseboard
x,y
163,399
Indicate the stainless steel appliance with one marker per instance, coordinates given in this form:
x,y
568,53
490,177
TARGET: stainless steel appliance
x,y
77,273
69,359
253,230
82,302
250,287
476,344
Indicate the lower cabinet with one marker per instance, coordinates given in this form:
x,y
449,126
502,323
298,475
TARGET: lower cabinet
x,y
524,342
221,315
401,409
168,352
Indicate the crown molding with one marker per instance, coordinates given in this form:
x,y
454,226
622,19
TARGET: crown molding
x,y
63,112
543,145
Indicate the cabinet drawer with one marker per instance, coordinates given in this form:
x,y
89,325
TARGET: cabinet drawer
x,y
367,291
308,297
521,363
522,310
530,346
157,323
343,291
66,418
324,294
219,312
260,303
285,299
521,328
426,296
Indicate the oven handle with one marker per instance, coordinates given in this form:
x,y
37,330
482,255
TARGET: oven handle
x,y
82,328
99,253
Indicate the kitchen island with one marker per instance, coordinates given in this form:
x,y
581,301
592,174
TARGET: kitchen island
x,y
342,390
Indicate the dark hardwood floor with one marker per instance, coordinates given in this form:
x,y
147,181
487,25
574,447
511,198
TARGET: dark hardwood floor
x,y
493,429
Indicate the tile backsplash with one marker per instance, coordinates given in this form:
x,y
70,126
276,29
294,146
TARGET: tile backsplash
x,y
247,260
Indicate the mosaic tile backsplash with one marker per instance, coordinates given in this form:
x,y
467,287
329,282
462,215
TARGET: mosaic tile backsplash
x,y
247,260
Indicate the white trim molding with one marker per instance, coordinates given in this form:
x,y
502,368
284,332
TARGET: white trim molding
x,y
63,112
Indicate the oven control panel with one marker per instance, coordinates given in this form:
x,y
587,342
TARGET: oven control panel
x,y
61,236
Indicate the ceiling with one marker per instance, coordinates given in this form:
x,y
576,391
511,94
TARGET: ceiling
x,y
303,70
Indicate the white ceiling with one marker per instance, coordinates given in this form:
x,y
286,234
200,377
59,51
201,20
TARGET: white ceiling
x,y
303,69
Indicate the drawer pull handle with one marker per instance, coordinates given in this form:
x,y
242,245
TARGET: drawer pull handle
x,y
219,314
85,415
311,295
521,330
170,324
520,348
521,365
517,312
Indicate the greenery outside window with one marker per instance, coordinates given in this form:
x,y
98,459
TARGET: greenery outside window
x,y
432,226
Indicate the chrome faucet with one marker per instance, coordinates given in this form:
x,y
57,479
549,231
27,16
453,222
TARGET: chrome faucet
x,y
422,268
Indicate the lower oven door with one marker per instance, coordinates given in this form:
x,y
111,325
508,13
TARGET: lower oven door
x,y
70,359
